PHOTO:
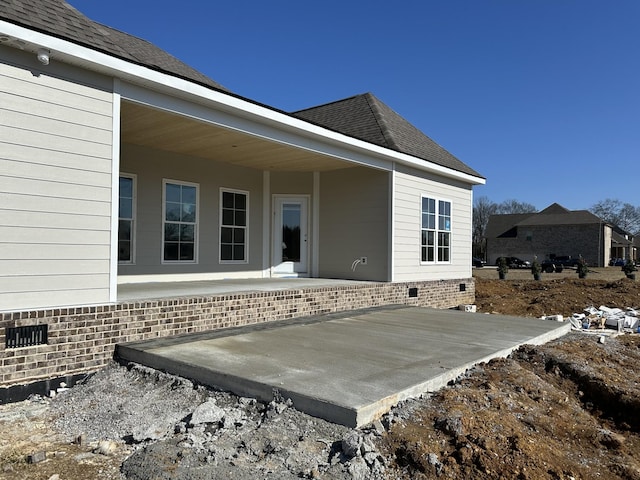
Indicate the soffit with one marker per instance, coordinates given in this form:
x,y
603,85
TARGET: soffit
x,y
142,125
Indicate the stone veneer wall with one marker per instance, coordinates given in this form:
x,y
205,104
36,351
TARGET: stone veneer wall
x,y
83,339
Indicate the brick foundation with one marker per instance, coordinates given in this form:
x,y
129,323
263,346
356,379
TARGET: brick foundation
x,y
83,339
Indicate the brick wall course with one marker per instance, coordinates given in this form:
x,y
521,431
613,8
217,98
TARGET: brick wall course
x,y
83,339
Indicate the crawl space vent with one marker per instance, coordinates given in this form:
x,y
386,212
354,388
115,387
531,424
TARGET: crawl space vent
x,y
17,337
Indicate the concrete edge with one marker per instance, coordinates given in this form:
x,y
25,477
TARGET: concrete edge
x,y
241,386
370,412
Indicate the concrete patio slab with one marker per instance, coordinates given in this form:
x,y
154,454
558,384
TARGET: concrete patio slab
x,y
347,368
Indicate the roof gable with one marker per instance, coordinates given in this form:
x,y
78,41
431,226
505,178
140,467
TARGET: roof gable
x,y
58,18
554,208
366,118
503,224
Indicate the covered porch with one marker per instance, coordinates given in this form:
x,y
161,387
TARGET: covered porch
x,y
622,248
205,197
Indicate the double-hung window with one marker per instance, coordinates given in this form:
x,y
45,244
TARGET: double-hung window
x,y
126,217
180,221
435,243
234,215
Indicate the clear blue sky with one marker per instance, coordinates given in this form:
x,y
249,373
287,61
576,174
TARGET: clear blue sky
x,y
542,97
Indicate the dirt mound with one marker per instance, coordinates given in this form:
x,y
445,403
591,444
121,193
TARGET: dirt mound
x,y
565,410
563,296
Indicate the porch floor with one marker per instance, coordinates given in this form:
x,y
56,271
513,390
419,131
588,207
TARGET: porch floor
x,y
154,290
348,368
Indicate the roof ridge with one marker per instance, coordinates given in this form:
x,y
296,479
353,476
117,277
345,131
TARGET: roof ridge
x,y
378,115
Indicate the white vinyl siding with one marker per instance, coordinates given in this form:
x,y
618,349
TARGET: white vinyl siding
x,y
410,186
55,185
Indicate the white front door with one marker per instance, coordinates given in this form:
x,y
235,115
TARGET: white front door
x,y
290,245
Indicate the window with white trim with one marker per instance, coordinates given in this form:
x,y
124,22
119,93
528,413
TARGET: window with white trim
x,y
180,221
435,241
234,218
126,218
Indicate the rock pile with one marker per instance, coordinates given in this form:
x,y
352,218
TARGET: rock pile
x,y
177,431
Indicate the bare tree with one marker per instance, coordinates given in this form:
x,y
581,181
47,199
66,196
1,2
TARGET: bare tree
x,y
607,210
630,218
513,206
623,215
483,208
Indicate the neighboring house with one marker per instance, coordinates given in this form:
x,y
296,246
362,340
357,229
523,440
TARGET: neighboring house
x,y
556,231
624,245
119,164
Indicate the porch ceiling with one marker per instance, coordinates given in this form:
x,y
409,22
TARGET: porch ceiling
x,y
158,129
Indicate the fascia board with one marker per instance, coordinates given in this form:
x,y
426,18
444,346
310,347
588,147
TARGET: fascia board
x,y
276,125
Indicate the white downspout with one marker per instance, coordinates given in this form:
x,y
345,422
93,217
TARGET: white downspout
x,y
266,224
391,226
315,226
115,191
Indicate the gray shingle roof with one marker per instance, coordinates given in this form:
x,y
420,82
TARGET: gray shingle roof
x,y
499,225
616,238
59,19
554,208
554,214
367,118
570,217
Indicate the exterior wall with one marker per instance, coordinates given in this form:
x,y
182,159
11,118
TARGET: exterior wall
x,y
542,241
409,187
84,339
291,183
55,183
151,167
354,219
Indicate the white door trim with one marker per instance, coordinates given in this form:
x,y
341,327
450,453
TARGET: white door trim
x,y
289,268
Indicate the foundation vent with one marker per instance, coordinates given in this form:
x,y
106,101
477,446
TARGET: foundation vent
x,y
17,337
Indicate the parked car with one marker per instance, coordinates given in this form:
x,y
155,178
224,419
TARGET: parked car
x,y
616,262
515,262
478,262
565,261
549,266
